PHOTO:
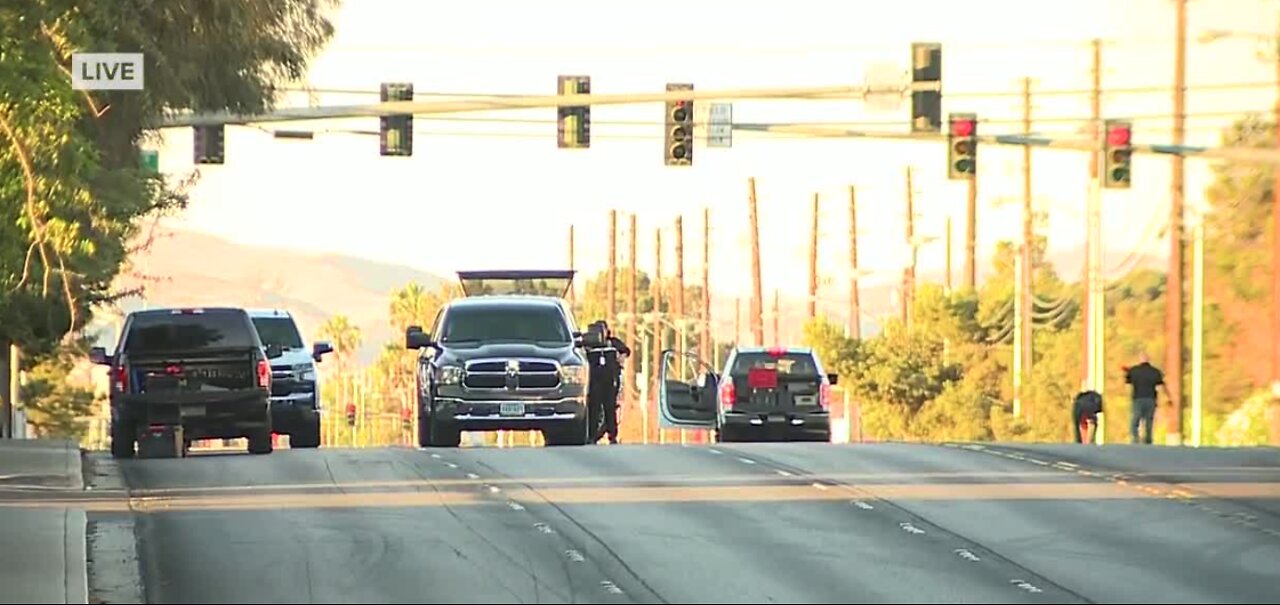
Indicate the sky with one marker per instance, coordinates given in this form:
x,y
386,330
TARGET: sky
x,y
483,193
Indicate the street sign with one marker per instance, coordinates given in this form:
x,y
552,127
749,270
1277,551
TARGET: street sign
x,y
149,161
720,125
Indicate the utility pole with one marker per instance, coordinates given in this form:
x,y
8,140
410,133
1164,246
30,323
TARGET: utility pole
x,y
971,235
571,267
1174,293
1088,367
948,254
1027,271
813,262
757,300
705,350
855,306
633,301
6,402
909,275
777,317
678,295
611,308
1274,425
14,402
655,290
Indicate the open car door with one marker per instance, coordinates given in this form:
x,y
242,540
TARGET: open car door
x,y
688,400
554,283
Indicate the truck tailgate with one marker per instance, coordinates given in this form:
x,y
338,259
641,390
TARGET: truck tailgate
x,y
208,374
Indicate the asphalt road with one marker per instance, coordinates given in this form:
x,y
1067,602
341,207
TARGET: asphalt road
x,y
800,523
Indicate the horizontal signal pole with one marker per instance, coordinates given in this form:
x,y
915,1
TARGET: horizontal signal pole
x,y
1239,154
525,102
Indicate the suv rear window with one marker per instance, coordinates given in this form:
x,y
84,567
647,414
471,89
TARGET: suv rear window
x,y
162,332
505,323
787,365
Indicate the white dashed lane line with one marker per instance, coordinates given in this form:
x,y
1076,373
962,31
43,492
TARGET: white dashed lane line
x,y
821,486
746,461
493,489
472,476
451,465
544,528
911,529
515,505
1025,585
436,456
574,555
715,451
784,473
863,505
965,554
610,587
1037,461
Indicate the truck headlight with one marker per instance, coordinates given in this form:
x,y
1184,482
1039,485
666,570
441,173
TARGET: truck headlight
x,y
573,374
450,375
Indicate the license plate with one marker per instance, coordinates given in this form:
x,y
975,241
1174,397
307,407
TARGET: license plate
x,y
806,400
193,410
511,409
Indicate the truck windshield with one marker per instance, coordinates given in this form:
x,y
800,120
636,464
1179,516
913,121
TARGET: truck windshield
x,y
793,365
505,324
188,331
278,331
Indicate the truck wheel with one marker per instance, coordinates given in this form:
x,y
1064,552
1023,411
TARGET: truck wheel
x,y
260,442
431,433
307,436
123,441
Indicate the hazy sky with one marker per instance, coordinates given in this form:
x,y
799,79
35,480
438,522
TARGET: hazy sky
x,y
480,194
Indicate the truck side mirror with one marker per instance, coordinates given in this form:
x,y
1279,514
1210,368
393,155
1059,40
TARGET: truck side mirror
x,y
833,379
320,349
415,338
99,356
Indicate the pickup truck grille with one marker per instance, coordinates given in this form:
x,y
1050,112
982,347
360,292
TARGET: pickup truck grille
x,y
526,374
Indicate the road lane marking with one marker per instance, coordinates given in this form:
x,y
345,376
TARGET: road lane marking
x,y
746,460
715,451
863,505
784,473
967,555
436,456
451,465
515,505
574,556
610,587
911,529
1027,586
544,528
1065,464
472,476
493,489
822,486
1037,461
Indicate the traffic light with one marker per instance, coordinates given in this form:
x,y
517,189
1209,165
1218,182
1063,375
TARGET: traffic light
x,y
573,122
962,146
678,136
395,132
210,144
406,418
351,414
1118,152
926,87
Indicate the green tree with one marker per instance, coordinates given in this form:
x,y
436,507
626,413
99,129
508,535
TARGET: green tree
x,y
55,403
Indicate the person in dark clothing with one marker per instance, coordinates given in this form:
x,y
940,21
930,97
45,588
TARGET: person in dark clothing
x,y
606,378
1084,414
1144,379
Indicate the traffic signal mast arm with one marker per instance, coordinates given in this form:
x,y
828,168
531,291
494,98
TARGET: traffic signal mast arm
x,y
1237,154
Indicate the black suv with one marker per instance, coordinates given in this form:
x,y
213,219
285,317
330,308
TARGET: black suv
x,y
506,356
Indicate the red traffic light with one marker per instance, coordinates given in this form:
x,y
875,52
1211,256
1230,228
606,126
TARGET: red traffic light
x,y
1119,135
962,128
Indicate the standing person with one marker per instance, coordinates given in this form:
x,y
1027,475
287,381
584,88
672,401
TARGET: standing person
x,y
1084,414
606,365
1144,379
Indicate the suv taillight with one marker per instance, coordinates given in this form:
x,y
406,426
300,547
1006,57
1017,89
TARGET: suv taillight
x,y
264,374
728,394
824,396
120,379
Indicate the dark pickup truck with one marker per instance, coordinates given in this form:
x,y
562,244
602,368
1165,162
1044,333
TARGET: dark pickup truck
x,y
204,370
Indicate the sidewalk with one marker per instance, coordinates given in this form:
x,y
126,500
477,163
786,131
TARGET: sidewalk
x,y
42,557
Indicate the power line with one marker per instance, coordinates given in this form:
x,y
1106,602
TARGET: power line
x,y
1229,86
